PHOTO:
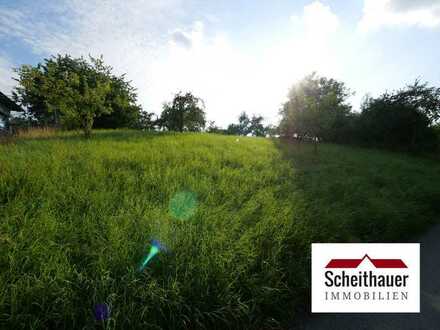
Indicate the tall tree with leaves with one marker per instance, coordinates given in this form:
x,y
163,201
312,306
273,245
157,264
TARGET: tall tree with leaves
x,y
146,121
122,99
244,124
28,93
420,96
75,92
247,125
78,90
403,119
256,126
185,113
316,107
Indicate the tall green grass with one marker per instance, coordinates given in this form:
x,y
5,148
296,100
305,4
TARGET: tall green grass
x,y
77,217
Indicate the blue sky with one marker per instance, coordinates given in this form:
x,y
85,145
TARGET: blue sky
x,y
236,55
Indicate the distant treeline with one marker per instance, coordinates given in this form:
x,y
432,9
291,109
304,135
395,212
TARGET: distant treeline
x,y
72,93
405,119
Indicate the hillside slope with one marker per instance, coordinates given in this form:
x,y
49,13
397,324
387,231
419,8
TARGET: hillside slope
x,y
237,216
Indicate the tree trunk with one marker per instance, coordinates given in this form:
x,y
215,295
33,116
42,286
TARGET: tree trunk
x,y
57,121
181,122
87,126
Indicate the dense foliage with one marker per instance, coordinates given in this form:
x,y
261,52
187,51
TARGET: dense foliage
x,y
401,120
73,92
247,126
185,112
316,107
122,100
404,119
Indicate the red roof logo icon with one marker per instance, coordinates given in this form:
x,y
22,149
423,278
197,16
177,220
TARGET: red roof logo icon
x,y
354,263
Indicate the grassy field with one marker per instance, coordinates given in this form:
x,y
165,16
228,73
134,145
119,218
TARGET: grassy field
x,y
237,216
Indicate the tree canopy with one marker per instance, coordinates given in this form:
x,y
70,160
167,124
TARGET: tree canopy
x,y
403,119
122,99
68,92
248,126
316,106
185,112
74,92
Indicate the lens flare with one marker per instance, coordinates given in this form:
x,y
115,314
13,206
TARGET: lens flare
x,y
102,312
183,205
155,248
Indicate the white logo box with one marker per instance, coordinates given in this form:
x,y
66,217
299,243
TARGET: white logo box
x,y
372,278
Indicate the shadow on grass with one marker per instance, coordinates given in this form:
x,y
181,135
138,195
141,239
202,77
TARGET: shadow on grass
x,y
349,195
361,195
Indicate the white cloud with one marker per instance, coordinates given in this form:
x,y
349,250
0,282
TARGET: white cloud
x,y
181,38
187,39
379,13
211,68
161,54
128,33
232,80
6,74
319,20
405,5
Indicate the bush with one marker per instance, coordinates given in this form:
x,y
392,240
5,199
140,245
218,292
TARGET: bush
x,y
391,124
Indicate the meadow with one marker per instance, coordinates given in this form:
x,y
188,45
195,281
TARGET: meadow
x,y
236,215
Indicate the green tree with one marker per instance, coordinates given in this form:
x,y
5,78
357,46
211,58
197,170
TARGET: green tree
x,y
403,119
247,125
74,92
145,121
29,94
185,113
421,96
233,129
78,90
213,128
317,107
256,126
244,124
122,99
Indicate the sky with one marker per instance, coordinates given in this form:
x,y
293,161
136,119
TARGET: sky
x,y
237,55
